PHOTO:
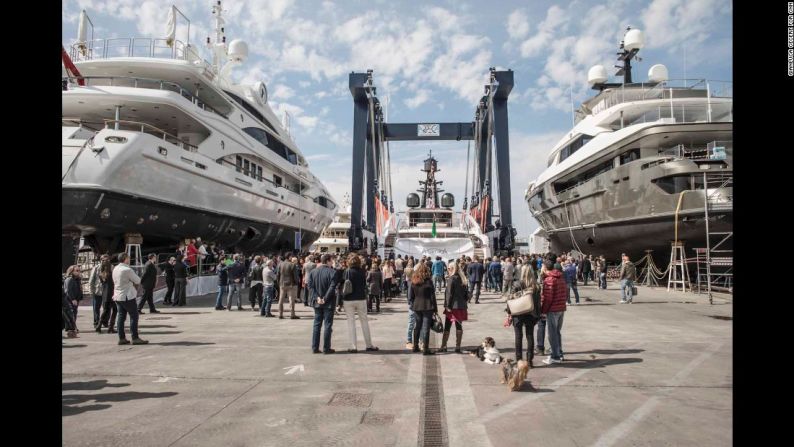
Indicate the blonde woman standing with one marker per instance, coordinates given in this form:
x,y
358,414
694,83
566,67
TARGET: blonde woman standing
x,y
388,274
455,306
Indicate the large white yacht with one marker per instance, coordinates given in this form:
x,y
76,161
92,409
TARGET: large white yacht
x,y
431,228
161,143
334,237
644,165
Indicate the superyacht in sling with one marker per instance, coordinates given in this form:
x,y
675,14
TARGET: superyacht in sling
x,y
645,164
162,144
431,228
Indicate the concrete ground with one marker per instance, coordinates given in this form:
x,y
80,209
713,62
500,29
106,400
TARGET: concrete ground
x,y
654,373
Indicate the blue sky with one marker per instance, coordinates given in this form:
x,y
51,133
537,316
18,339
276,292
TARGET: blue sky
x,y
431,59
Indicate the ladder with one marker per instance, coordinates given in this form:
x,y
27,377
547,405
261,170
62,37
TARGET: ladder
x,y
679,275
133,242
717,258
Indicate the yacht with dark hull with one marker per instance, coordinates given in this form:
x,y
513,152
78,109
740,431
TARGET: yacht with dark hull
x,y
160,144
644,164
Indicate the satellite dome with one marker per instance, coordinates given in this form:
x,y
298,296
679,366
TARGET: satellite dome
x,y
412,201
447,200
658,73
238,50
597,75
634,39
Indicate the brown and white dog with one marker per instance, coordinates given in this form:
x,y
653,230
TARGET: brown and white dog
x,y
514,373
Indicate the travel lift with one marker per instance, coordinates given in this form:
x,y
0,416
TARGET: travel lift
x,y
371,179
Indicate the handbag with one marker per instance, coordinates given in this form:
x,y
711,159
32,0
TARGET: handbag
x,y
437,326
521,305
347,288
633,291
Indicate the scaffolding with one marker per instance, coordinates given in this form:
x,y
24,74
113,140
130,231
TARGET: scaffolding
x,y
715,261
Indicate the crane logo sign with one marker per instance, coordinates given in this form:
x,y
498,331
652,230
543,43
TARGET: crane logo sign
x,y
428,130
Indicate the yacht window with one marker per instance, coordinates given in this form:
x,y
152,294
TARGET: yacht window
x,y
259,173
276,180
251,109
239,164
574,146
259,134
676,184
246,166
628,157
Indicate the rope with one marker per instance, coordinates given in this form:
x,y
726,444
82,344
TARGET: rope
x,y
466,191
570,230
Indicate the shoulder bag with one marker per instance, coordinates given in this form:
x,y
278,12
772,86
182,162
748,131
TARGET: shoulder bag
x,y
521,303
347,288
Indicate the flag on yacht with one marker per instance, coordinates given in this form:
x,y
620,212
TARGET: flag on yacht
x,y
170,31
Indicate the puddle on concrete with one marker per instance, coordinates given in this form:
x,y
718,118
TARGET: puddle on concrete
x,y
721,317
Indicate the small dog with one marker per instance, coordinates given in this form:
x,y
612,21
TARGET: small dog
x,y
514,373
487,352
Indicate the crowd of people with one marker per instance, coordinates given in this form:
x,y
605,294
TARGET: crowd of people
x,y
354,284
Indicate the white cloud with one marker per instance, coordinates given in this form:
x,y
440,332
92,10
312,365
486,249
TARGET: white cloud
x,y
517,24
282,91
554,22
420,98
672,23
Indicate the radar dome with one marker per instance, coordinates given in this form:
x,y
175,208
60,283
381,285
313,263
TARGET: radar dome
x,y
634,39
658,73
238,50
447,200
412,201
597,75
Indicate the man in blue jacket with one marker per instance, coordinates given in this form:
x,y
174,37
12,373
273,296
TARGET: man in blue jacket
x,y
476,271
495,275
438,269
322,297
569,270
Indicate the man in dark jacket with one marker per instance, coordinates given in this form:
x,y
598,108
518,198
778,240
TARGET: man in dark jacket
x,y
322,297
236,279
169,279
552,303
587,267
476,271
180,282
148,281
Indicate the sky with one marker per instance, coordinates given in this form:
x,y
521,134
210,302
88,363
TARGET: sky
x,y
431,60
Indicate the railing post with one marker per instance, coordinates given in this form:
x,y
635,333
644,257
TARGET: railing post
x,y
708,99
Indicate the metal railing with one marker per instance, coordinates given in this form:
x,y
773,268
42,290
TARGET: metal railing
x,y
674,88
147,83
134,47
151,130
712,151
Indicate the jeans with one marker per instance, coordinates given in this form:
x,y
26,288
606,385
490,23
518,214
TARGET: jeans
x,y
169,293
625,290
572,286
268,292
373,298
180,291
541,334
222,290
474,291
255,295
424,318
323,316
386,288
353,307
438,282
602,280
235,289
148,297
518,328
109,313
586,276
127,307
411,323
555,333
97,302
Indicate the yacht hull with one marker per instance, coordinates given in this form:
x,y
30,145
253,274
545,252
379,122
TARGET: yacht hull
x,y
638,235
103,217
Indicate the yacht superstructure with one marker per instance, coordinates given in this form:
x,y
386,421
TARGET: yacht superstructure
x,y
640,165
431,228
162,143
334,237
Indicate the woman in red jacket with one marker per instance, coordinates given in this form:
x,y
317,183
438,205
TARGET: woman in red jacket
x,y
552,303
192,251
